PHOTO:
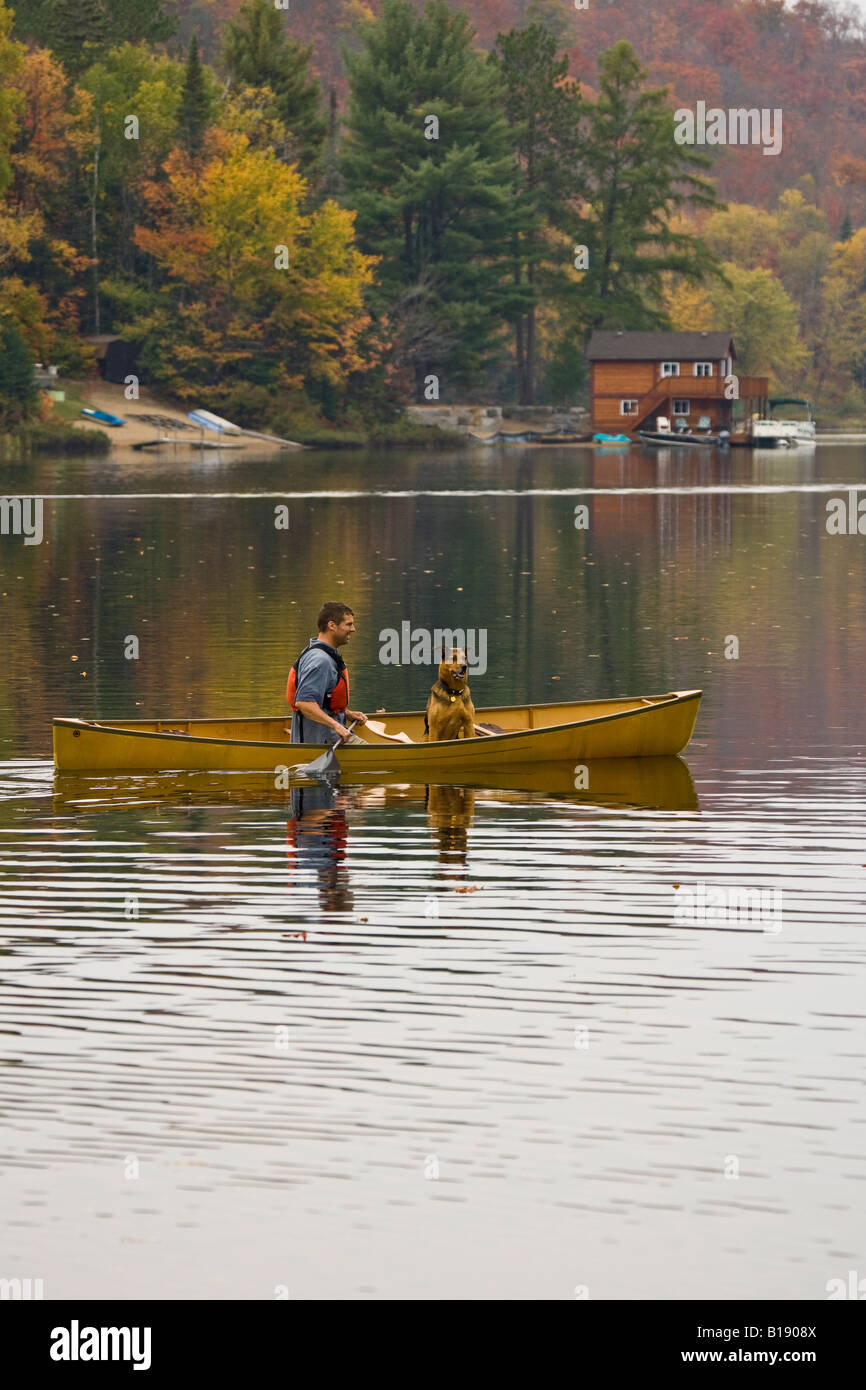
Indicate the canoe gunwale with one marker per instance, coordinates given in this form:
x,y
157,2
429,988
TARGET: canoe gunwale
x,y
488,740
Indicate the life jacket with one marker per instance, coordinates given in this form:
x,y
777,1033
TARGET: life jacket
x,y
338,699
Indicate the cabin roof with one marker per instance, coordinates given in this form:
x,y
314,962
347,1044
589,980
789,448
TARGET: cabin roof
x,y
610,345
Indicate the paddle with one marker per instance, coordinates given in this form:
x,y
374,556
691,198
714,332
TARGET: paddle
x,y
379,728
325,764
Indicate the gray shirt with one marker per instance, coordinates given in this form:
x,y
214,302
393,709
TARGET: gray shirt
x,y
317,675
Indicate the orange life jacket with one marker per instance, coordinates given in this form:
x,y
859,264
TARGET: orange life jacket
x,y
338,699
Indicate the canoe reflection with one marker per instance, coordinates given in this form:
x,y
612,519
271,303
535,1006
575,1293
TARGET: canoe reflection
x,y
663,784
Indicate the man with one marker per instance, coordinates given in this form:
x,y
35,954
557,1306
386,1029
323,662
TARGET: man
x,y
318,686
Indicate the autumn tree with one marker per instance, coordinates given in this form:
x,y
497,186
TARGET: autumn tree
x,y
842,358
763,320
250,285
11,57
134,97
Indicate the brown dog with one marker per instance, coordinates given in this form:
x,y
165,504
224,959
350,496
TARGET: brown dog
x,y
450,712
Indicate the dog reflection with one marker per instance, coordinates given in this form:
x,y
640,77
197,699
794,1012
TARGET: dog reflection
x,y
449,814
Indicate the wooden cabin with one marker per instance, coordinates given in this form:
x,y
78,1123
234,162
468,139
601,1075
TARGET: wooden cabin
x,y
636,377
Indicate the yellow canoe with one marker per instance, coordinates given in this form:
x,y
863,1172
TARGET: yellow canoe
x,y
639,727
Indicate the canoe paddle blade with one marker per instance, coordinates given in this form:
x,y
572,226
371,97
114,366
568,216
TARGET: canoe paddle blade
x,y
326,765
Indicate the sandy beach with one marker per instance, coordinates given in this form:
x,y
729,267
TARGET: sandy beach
x,y
105,395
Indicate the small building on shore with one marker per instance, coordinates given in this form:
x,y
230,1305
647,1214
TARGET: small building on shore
x,y
689,377
117,359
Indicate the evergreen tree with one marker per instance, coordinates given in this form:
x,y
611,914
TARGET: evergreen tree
x,y
77,31
59,24
429,164
194,110
258,51
638,177
544,112
18,394
846,231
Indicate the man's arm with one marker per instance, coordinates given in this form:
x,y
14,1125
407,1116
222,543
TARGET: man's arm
x,y
310,710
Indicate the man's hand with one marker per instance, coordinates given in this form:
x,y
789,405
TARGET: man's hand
x,y
345,734
356,715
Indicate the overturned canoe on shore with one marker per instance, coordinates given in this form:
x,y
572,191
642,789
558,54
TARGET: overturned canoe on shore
x,y
636,727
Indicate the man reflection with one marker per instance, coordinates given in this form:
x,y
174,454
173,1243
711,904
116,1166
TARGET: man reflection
x,y
316,839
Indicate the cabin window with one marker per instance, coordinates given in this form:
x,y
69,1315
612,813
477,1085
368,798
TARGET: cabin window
x,y
681,407
703,369
628,407
670,368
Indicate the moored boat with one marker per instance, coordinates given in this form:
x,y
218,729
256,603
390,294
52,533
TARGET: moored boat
x,y
702,436
630,727
103,416
774,430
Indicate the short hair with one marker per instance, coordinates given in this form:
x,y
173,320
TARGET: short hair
x,y
332,612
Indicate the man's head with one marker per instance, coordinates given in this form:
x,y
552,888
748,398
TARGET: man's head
x,y
336,623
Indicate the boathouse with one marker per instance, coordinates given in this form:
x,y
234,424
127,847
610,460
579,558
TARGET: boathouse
x,y
688,377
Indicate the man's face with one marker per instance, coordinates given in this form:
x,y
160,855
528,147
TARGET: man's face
x,y
343,630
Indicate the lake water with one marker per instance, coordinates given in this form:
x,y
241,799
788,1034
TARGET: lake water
x,y
509,1042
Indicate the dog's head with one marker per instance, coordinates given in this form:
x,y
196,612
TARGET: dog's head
x,y
453,670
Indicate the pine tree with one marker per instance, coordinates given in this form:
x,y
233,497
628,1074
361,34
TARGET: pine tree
x,y
77,31
46,23
257,50
544,112
18,394
194,110
429,164
638,177
846,231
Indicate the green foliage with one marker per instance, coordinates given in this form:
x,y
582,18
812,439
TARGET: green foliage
x,y
128,80
77,31
18,394
763,319
638,178
61,439
11,54
544,113
258,52
441,212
